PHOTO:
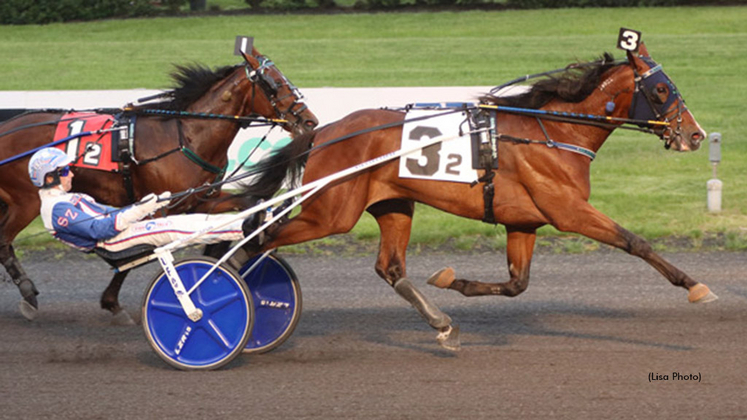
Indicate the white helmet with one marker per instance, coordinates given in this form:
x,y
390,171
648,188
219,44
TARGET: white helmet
x,y
45,161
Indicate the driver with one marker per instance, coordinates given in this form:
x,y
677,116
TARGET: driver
x,y
79,221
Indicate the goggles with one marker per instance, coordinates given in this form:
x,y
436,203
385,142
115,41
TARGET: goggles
x,y
63,171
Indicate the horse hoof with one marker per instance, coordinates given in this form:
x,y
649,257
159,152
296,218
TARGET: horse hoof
x,y
122,319
442,278
449,338
700,293
28,310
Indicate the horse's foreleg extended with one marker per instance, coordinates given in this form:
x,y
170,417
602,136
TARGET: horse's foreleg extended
x,y
29,305
395,221
590,222
519,249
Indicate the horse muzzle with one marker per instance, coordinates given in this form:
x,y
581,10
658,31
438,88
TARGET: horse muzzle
x,y
683,142
304,125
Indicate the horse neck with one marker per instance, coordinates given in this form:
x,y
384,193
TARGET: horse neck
x,y
616,85
211,138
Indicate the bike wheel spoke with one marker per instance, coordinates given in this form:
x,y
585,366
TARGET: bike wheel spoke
x,y
167,307
216,334
222,302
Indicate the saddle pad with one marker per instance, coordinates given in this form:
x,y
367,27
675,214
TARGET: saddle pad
x,y
91,151
450,160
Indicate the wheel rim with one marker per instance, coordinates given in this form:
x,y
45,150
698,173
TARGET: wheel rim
x,y
276,302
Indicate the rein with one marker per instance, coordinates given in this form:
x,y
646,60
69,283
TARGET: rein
x,y
55,143
244,121
40,124
585,119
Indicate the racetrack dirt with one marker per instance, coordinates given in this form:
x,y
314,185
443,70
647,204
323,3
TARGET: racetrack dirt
x,y
583,342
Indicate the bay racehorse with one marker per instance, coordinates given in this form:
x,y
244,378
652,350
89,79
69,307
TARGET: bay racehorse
x,y
534,184
170,154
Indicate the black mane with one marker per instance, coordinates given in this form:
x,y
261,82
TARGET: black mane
x,y
573,85
192,82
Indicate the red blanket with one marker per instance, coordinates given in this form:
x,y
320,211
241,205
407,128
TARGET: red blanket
x,y
91,151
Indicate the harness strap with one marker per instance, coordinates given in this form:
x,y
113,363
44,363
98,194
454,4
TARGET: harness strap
x,y
191,155
564,146
125,159
572,148
202,163
550,143
488,193
125,152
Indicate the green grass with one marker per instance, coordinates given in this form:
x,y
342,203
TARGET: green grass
x,y
227,4
645,188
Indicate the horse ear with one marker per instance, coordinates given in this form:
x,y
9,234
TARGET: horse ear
x,y
642,51
636,62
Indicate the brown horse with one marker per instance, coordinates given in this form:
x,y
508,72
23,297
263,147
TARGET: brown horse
x,y
175,154
534,185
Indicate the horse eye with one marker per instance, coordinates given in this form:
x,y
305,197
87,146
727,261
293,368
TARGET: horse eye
x,y
660,93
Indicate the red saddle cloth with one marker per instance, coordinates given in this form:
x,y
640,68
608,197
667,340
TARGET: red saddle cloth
x,y
89,151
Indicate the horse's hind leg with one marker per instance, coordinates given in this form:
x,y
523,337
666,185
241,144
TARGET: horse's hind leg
x,y
110,300
395,221
29,306
519,250
12,220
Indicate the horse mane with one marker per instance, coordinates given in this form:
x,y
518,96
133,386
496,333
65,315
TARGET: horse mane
x,y
284,164
573,85
191,83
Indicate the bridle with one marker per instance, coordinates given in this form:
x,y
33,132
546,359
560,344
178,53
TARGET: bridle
x,y
647,105
259,77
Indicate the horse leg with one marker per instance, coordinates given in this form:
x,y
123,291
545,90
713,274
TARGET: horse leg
x,y
590,222
14,216
29,306
519,250
110,300
395,222
217,250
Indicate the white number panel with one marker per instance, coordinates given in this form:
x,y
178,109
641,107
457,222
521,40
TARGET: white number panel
x,y
628,40
446,161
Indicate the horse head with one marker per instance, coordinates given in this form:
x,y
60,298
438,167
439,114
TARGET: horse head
x,y
656,98
276,95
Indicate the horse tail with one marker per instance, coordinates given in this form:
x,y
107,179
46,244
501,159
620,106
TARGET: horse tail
x,y
284,164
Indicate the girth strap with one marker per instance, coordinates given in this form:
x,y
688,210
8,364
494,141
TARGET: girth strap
x,y
488,192
125,145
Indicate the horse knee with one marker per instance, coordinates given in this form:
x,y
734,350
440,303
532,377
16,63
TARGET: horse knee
x,y
510,291
389,269
515,286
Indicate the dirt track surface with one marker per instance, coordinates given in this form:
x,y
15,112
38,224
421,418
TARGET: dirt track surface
x,y
580,343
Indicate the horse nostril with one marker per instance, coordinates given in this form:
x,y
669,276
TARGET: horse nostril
x,y
697,136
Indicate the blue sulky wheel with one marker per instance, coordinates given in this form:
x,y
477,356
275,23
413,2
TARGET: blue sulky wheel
x,y
277,302
214,340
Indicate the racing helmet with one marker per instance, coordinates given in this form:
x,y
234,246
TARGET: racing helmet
x,y
46,161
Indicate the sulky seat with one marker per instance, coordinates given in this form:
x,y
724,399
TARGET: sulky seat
x,y
118,258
